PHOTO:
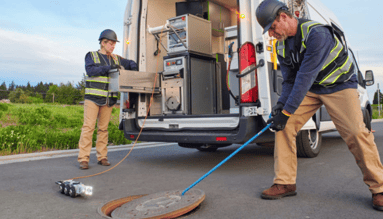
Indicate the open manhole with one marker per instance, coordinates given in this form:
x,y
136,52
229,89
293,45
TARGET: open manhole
x,y
169,204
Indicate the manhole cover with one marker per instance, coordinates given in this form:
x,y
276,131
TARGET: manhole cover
x,y
107,209
160,205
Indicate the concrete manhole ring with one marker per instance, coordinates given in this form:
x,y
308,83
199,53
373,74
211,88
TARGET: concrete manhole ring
x,y
170,204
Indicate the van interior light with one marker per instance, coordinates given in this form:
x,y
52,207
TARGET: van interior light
x,y
240,15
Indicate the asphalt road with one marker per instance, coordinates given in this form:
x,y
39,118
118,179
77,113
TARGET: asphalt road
x,y
328,186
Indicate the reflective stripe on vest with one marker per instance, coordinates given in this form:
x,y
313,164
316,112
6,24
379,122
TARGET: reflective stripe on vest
x,y
340,68
281,49
96,92
333,76
99,85
305,29
333,54
100,79
96,58
116,59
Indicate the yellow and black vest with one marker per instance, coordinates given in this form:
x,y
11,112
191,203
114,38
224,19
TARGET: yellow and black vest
x,y
97,88
338,66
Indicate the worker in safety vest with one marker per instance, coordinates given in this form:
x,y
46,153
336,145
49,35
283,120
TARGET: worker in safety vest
x,y
317,70
99,101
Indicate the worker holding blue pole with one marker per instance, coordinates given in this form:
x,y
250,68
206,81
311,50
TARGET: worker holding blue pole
x,y
317,70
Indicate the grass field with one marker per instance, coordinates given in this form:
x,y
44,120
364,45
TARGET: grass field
x,y
375,112
29,128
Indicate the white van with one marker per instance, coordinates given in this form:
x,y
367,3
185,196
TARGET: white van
x,y
184,46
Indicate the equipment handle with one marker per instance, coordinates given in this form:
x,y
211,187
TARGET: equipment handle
x,y
260,64
230,54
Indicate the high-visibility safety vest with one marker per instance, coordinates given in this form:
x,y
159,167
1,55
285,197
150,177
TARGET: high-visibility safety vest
x,y
97,88
338,66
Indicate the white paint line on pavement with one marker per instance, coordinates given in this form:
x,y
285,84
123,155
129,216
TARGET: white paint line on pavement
x,y
74,152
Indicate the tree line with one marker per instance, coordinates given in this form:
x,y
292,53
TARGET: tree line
x,y
64,93
375,101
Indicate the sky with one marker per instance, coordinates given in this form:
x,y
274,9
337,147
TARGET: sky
x,y
43,40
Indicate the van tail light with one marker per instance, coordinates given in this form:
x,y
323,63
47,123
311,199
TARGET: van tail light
x,y
221,138
248,84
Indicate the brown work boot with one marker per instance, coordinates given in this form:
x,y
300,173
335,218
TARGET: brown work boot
x,y
84,165
277,191
104,162
377,201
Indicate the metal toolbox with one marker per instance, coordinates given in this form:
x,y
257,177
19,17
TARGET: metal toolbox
x,y
190,33
133,81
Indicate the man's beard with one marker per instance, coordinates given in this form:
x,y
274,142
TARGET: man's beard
x,y
283,38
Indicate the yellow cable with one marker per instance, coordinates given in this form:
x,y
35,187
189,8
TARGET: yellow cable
x,y
275,64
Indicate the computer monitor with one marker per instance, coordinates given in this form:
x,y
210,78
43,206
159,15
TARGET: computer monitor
x,y
190,7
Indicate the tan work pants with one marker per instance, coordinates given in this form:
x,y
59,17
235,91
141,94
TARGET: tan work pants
x,y
345,112
93,113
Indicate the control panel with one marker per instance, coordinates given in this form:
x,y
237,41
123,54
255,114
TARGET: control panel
x,y
173,81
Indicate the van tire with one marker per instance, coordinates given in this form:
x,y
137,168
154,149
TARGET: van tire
x,y
367,119
308,143
121,126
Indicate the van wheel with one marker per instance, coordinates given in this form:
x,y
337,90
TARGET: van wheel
x,y
308,143
367,119
207,148
121,126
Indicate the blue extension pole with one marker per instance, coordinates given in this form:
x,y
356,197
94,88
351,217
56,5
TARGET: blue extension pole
x,y
227,158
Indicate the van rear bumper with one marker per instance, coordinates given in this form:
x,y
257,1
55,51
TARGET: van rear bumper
x,y
247,128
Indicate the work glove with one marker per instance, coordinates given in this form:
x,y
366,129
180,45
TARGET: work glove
x,y
278,122
114,66
277,108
